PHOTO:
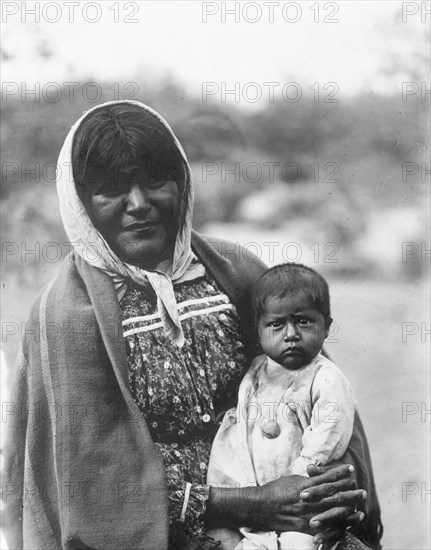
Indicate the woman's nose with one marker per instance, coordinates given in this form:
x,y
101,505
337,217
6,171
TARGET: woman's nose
x,y
291,332
137,199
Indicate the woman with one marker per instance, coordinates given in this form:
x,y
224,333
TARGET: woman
x,y
130,358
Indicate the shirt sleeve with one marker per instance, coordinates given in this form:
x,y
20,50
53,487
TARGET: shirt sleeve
x,y
331,423
194,505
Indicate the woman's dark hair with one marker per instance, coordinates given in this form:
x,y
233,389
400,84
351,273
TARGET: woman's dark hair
x,y
118,140
290,278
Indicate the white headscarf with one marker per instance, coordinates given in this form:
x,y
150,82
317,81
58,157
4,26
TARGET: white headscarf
x,y
90,245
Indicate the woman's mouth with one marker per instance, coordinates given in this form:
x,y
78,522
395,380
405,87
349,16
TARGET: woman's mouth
x,y
141,226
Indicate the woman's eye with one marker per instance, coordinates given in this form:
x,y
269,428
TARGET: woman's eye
x,y
115,191
110,192
157,183
111,189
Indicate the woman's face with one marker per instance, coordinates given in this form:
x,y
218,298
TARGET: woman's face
x,y
137,214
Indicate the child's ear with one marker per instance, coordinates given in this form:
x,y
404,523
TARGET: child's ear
x,y
328,323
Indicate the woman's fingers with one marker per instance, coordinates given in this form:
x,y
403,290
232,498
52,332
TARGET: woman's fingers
x,y
331,535
351,499
313,470
327,489
330,475
328,536
354,518
339,516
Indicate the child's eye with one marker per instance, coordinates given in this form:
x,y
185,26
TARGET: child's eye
x,y
304,322
275,324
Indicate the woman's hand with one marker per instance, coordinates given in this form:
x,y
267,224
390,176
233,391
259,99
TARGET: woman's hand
x,y
286,504
334,522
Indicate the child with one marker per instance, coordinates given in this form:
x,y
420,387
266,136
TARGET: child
x,y
295,409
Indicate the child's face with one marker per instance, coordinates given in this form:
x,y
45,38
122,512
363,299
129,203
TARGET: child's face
x,y
291,330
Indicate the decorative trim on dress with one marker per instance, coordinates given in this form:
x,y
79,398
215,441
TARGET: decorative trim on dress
x,y
224,305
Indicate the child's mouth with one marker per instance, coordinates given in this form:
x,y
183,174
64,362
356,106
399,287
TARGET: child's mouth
x,y
292,351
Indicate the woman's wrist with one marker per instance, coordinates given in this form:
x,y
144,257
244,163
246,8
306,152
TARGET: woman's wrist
x,y
231,505
247,507
219,502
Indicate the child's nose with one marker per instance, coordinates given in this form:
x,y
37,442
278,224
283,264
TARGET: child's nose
x,y
291,332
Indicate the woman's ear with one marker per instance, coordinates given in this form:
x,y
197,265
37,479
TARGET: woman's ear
x,y
328,323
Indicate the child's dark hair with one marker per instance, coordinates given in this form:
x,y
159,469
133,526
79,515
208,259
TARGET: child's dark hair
x,y
284,279
120,139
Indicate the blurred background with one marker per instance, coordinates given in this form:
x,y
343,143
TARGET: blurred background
x,y
331,169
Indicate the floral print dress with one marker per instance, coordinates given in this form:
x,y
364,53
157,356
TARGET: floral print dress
x,y
184,393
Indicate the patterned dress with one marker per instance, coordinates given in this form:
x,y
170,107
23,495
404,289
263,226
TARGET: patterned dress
x,y
183,393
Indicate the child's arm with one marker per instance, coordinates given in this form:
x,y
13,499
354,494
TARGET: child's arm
x,y
331,423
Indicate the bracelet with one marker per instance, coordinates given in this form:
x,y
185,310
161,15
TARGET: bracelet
x,y
186,502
